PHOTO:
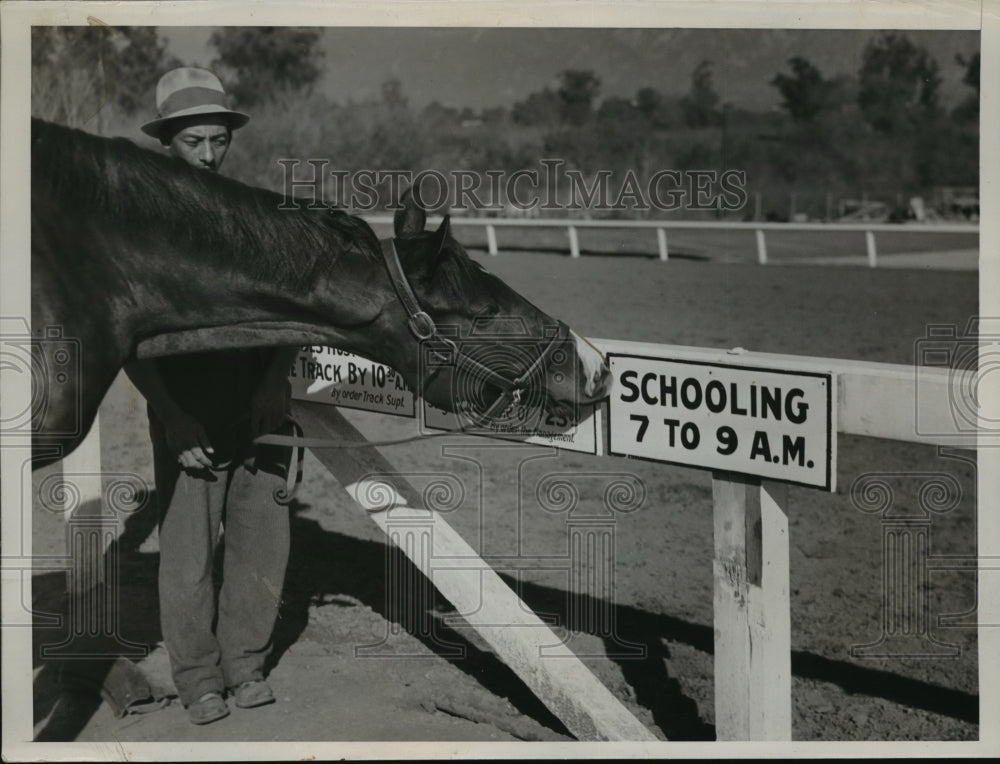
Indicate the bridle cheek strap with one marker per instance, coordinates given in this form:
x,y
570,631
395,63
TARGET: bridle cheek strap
x,y
423,328
421,325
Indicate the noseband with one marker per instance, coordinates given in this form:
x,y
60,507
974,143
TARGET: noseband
x,y
423,328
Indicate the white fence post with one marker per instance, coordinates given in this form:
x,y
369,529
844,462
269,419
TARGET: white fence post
x,y
870,245
491,239
761,247
661,238
753,668
574,243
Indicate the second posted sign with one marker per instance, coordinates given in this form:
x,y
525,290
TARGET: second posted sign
x,y
333,376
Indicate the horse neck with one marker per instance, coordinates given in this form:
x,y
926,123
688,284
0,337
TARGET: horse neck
x,y
180,249
177,290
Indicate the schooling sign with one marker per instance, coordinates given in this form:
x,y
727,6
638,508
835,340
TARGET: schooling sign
x,y
768,423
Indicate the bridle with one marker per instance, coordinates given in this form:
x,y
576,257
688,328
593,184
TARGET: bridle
x,y
423,328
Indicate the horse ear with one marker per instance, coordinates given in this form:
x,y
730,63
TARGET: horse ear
x,y
410,220
440,235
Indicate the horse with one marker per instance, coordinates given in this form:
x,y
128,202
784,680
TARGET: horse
x,y
136,254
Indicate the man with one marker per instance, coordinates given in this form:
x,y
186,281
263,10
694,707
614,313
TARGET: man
x,y
204,410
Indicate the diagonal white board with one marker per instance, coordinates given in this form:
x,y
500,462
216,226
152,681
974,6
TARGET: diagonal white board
x,y
559,679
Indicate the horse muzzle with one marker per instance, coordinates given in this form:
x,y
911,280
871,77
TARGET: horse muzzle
x,y
598,385
593,371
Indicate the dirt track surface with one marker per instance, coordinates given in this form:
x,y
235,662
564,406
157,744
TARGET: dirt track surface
x,y
335,601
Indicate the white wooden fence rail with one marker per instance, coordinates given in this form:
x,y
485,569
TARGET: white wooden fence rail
x,y
662,226
880,400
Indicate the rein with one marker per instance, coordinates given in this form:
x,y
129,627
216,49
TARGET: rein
x,y
298,443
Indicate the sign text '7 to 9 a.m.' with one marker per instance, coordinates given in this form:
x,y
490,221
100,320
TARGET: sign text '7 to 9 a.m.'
x,y
767,423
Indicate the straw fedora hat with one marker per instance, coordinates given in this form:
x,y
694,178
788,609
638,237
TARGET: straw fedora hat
x,y
189,91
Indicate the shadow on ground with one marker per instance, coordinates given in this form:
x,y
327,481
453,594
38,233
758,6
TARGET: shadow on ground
x,y
326,566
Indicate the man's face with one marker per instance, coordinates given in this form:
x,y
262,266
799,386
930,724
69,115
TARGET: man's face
x,y
202,144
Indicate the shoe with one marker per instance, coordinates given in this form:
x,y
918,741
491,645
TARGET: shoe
x,y
210,707
254,693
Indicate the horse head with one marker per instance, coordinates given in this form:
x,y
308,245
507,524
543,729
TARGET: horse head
x,y
483,345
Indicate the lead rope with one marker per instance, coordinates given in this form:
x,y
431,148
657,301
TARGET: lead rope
x,y
594,347
299,443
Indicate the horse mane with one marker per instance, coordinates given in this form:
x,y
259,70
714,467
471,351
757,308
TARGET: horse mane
x,y
134,188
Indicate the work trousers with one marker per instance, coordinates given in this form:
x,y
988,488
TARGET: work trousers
x,y
213,644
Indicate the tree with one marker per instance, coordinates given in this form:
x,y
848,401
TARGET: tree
x,y
653,107
577,91
971,65
539,108
805,92
76,71
261,63
436,116
898,84
967,112
142,59
392,94
621,133
699,105
395,138
493,114
617,109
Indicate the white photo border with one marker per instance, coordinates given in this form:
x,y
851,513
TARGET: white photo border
x,y
17,19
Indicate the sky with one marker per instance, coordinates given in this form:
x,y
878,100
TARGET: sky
x,y
490,67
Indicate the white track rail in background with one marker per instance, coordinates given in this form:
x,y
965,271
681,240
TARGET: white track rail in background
x,y
661,227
